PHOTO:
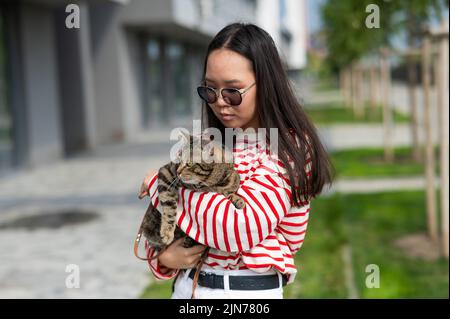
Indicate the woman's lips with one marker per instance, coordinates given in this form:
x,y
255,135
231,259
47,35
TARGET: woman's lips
x,y
227,117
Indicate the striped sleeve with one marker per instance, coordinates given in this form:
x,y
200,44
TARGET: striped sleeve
x,y
293,226
211,218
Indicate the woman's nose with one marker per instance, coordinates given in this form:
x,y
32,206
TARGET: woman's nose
x,y
221,102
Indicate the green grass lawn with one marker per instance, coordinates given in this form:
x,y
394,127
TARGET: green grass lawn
x,y
369,162
369,224
372,222
158,289
340,114
319,262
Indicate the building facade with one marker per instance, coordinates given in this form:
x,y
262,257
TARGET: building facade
x,y
131,67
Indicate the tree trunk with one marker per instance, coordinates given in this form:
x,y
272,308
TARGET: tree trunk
x,y
412,32
354,87
412,80
444,136
429,151
374,94
342,82
346,85
359,107
387,115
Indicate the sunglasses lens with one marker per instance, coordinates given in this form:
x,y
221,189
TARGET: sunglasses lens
x,y
232,96
206,94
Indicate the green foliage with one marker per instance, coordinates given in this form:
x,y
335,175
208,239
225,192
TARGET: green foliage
x,y
318,67
348,39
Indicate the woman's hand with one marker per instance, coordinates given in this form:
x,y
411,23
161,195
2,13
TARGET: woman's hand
x,y
144,186
178,257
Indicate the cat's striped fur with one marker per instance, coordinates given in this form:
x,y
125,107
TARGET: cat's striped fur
x,y
218,176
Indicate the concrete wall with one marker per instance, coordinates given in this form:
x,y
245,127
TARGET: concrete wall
x,y
75,83
129,64
296,21
268,18
144,12
40,84
211,16
105,42
116,60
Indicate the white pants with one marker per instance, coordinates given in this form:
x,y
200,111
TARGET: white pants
x,y
183,287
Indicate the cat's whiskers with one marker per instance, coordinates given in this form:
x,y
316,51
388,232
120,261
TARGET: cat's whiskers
x,y
174,182
197,186
205,184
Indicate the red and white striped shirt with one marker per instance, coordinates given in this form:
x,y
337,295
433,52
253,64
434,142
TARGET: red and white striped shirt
x,y
263,235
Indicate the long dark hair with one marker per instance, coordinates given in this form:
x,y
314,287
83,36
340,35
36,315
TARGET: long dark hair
x,y
277,107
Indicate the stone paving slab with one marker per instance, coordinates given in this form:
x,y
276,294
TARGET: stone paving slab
x,y
33,262
374,185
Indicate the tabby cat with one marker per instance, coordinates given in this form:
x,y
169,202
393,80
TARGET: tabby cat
x,y
212,175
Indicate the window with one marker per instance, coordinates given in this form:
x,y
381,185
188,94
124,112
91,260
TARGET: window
x,y
167,89
153,106
180,85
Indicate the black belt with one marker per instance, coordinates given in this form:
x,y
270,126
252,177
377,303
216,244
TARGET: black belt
x,y
257,282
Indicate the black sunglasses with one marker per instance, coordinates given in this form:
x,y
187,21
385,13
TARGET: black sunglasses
x,y
230,96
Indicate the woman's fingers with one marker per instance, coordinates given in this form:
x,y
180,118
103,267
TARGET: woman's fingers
x,y
178,242
142,194
143,191
194,260
144,186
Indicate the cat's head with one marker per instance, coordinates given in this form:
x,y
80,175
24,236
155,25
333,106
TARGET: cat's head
x,y
202,161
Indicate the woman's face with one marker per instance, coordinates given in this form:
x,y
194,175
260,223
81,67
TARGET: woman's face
x,y
228,69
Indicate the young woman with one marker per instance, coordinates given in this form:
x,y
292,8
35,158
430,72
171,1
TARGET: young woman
x,y
251,249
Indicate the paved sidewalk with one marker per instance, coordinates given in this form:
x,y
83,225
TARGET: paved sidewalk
x,y
351,136
33,262
373,185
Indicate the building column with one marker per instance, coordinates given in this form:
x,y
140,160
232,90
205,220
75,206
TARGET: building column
x,y
40,79
75,82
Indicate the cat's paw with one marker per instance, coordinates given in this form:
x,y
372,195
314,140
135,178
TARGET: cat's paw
x,y
167,236
237,201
